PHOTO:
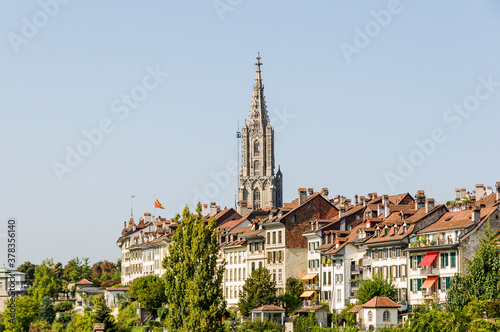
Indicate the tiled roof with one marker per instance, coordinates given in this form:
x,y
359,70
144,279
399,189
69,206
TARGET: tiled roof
x,y
84,282
356,308
490,200
311,309
456,220
268,307
381,302
233,223
391,236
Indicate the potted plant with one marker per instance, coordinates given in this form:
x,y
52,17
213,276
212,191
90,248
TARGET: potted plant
x,y
431,243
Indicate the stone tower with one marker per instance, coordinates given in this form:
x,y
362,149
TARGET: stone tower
x,y
258,187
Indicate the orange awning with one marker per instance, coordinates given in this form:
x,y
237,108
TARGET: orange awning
x,y
429,282
307,293
428,259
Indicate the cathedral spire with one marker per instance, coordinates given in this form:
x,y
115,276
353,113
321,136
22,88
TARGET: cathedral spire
x,y
258,110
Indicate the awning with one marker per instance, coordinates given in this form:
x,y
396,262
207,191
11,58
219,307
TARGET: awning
x,y
309,276
429,282
428,259
307,293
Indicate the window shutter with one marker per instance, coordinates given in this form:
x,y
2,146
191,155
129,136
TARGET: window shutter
x,y
419,284
439,283
446,259
448,282
411,262
411,285
453,259
442,260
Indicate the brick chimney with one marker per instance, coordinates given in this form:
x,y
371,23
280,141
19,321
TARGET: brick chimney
x,y
310,191
356,200
498,190
457,194
213,209
205,209
480,190
429,205
476,214
369,196
324,192
463,192
302,195
420,199
363,200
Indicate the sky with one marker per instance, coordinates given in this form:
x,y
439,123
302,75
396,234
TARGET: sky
x,y
104,100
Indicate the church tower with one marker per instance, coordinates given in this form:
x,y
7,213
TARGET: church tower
x,y
258,187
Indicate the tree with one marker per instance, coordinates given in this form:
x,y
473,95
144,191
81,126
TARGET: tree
x,y
76,270
26,311
149,291
291,299
29,269
193,281
46,310
482,279
80,323
258,290
104,272
46,282
377,286
127,316
102,314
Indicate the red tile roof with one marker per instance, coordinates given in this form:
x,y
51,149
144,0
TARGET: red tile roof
x,y
268,307
84,282
457,220
381,302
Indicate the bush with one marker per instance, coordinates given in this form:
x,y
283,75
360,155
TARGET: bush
x,y
63,306
64,318
260,327
127,317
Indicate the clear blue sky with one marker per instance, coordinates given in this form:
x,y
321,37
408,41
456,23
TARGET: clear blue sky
x,y
352,121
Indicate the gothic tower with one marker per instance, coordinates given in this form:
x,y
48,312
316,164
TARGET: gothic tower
x,y
259,187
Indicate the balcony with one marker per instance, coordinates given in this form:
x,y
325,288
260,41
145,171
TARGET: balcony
x,y
367,261
428,270
311,287
354,284
356,269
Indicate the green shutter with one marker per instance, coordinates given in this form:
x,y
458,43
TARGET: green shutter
x,y
419,259
419,284
324,278
453,259
448,282
439,283
446,259
411,285
411,262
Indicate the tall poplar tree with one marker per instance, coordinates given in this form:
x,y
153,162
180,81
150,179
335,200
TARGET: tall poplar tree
x,y
193,281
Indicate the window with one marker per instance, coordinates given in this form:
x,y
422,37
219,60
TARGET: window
x,y
253,266
244,274
329,278
256,148
279,236
268,238
293,219
370,316
279,275
324,278
386,316
453,259
274,237
256,168
444,260
398,252
256,198
339,295
260,265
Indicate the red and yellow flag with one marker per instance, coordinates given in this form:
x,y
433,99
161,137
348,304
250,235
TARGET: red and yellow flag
x,y
158,204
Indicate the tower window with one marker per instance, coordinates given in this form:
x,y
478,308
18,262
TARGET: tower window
x,y
257,168
256,148
256,199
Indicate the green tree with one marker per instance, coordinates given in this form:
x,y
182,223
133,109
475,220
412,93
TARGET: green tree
x,y
149,291
482,279
46,310
26,312
102,314
80,323
76,270
193,281
291,299
127,316
29,269
46,282
104,272
259,289
377,286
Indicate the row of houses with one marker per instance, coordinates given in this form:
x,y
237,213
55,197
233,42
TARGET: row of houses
x,y
332,244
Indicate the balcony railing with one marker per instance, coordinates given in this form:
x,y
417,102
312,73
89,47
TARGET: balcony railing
x,y
311,287
356,269
426,270
354,284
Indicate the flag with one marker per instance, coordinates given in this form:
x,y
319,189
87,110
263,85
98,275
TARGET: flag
x,y
158,204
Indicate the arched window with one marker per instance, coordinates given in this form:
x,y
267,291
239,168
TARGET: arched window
x,y
256,199
386,317
256,148
370,316
253,266
260,265
256,168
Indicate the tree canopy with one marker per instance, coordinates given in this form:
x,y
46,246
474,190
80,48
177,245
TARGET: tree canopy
x,y
259,289
149,291
377,286
291,299
193,280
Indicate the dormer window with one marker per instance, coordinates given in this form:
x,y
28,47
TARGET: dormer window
x,y
386,231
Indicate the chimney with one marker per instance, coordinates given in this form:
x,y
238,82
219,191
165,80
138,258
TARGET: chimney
x,y
124,224
363,200
385,198
324,192
369,196
356,200
213,209
310,191
429,205
205,209
347,203
480,190
457,194
476,214
463,192
341,212
420,199
375,195
302,195
386,208
497,185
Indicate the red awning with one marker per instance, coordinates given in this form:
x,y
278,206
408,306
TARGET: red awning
x,y
428,259
429,282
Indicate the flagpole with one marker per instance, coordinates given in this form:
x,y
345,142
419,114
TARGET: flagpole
x,y
154,210
132,206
